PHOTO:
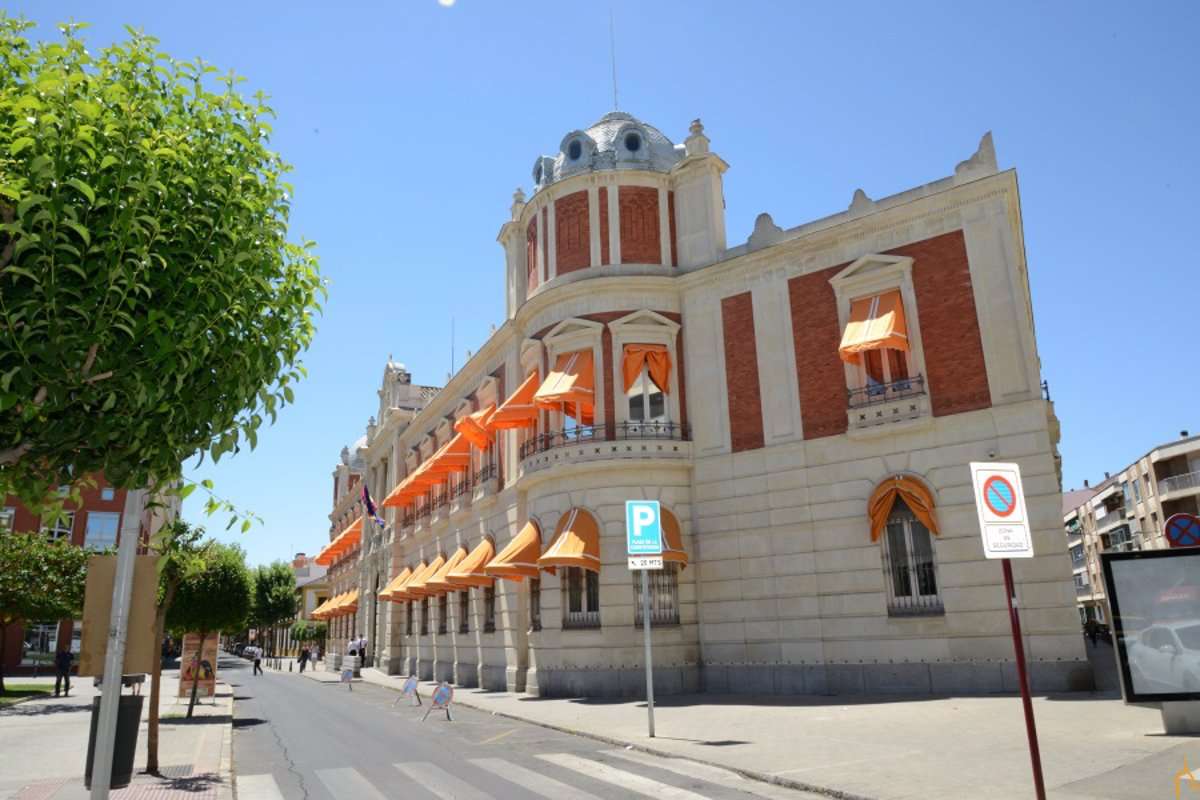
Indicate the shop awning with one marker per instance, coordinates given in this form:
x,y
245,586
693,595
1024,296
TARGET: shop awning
x,y
319,611
400,593
350,605
570,387
673,540
476,427
875,323
576,542
417,586
327,608
438,584
469,571
519,558
652,356
518,411
395,583
915,495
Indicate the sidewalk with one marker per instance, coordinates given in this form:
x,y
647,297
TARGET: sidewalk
x,y
884,748
44,746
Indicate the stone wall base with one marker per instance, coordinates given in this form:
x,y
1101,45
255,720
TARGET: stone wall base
x,y
491,678
466,675
627,683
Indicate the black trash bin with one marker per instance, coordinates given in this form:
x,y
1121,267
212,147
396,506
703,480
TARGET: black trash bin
x,y
129,717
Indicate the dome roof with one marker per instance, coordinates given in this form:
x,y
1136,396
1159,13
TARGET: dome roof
x,y
616,141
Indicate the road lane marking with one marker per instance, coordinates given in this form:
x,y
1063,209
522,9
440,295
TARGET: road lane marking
x,y
706,772
535,782
346,783
439,782
626,780
258,787
499,736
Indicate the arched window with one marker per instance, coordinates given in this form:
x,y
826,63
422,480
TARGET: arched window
x,y
909,568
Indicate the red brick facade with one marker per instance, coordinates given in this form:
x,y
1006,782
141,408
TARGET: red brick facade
x,y
531,270
641,240
741,373
572,233
604,250
819,371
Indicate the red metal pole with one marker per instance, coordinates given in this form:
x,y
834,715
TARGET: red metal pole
x,y
1035,754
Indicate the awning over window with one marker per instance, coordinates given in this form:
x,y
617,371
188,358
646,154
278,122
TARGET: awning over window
x,y
400,593
319,611
350,605
438,584
570,387
875,323
417,586
469,571
915,495
395,583
652,356
453,456
673,540
518,411
576,542
519,558
476,427
341,544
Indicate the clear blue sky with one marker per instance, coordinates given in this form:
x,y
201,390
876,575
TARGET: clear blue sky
x,y
410,124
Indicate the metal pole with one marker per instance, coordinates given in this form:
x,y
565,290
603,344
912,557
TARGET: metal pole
x,y
1035,755
114,656
649,658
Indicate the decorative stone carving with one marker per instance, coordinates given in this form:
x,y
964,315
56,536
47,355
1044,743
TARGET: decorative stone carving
x,y
981,164
696,143
860,201
766,233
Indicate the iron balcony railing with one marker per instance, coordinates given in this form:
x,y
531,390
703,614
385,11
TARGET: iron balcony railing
x,y
462,487
625,431
484,474
1176,483
886,392
1113,517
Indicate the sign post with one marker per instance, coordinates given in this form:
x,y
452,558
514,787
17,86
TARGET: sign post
x,y
1004,525
643,532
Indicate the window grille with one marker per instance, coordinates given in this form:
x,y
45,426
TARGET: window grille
x,y
424,616
408,618
489,609
443,613
464,606
910,573
582,609
57,528
664,596
535,604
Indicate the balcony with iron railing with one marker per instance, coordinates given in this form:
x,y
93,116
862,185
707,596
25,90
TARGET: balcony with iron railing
x,y
484,482
881,405
1179,485
625,440
1111,519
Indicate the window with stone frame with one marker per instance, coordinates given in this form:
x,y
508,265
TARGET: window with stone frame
x,y
646,400
408,617
464,611
664,596
909,565
535,604
646,409
582,606
489,609
443,613
59,526
424,616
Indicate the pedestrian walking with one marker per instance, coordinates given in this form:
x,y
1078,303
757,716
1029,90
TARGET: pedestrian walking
x,y
303,658
258,670
62,671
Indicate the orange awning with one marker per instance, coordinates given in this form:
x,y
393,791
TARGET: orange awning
x,y
417,586
319,611
327,608
673,540
438,584
519,558
875,323
915,495
395,583
453,456
400,593
570,387
518,411
350,604
469,571
576,542
476,427
342,543
654,357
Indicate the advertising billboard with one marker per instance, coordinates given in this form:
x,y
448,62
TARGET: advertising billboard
x,y
1154,600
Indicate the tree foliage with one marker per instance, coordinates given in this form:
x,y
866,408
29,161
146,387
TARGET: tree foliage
x,y
216,598
151,306
309,630
274,595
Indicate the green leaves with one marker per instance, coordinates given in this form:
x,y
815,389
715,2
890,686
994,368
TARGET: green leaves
x,y
40,580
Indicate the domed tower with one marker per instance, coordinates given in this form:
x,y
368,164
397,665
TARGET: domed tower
x,y
618,198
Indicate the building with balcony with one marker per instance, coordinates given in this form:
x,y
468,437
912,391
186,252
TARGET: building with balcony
x,y
1127,511
804,406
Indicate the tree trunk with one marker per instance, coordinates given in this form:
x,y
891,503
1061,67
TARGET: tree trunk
x,y
196,675
3,652
160,625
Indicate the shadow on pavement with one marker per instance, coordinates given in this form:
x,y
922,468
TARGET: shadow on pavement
x,y
33,708
246,722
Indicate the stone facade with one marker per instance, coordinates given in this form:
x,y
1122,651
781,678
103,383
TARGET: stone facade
x,y
766,446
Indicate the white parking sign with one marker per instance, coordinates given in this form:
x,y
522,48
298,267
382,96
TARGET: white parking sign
x,y
1000,501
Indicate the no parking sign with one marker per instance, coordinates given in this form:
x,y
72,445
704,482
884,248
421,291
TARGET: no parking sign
x,y
1000,501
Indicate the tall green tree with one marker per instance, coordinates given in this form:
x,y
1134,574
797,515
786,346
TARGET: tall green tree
x,y
214,599
40,581
151,304
274,598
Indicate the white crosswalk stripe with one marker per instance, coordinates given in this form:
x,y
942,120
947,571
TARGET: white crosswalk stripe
x,y
710,774
258,787
626,780
440,782
346,783
535,782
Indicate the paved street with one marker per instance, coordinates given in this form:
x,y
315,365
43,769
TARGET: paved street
x,y
297,738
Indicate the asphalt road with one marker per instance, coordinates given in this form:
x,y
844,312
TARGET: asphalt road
x,y
297,738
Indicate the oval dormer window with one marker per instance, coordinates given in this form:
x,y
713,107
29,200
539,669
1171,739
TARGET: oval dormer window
x,y
633,142
574,150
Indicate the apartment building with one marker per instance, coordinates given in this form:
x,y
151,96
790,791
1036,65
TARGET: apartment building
x,y
804,405
1127,511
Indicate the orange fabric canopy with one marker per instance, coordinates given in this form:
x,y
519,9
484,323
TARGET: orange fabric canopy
x,y
319,611
437,584
476,427
469,571
519,558
395,583
654,357
350,604
915,495
673,540
453,456
400,593
417,586
570,387
875,323
576,542
518,411
342,543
